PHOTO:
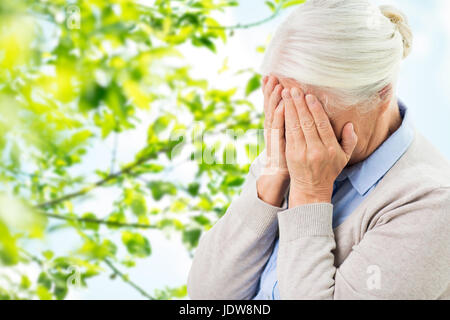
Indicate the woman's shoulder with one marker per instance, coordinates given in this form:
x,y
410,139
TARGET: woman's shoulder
x,y
419,182
421,165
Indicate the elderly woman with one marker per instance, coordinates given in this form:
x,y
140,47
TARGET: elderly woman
x,y
348,201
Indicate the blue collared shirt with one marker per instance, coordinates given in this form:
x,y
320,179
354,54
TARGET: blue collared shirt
x,y
351,187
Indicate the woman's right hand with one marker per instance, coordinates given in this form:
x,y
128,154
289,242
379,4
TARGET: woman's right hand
x,y
274,179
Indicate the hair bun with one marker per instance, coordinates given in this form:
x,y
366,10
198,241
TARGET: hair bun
x,y
401,21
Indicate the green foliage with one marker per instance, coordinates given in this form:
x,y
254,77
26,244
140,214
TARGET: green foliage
x,y
171,293
68,88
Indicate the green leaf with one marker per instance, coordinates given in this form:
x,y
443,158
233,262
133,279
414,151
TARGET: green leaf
x,y
204,42
292,3
44,280
180,292
60,290
253,84
9,252
161,124
117,217
191,237
233,181
193,188
91,97
25,282
90,225
48,254
271,5
202,220
161,188
43,293
136,244
139,205
99,251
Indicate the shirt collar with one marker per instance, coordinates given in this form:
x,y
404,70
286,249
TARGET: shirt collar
x,y
367,173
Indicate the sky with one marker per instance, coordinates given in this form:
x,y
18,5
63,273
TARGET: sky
x,y
424,86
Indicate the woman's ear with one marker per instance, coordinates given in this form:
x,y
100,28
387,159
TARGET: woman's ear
x,y
385,96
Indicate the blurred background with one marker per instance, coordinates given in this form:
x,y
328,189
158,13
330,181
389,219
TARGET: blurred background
x,y
102,194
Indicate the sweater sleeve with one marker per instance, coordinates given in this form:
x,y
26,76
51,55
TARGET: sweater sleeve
x,y
406,256
231,256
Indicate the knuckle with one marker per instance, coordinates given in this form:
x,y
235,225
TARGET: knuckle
x,y
322,124
276,132
268,127
279,111
274,100
295,128
315,155
332,152
299,96
292,155
307,124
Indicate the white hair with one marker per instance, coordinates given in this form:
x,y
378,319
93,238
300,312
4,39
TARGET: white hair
x,y
348,48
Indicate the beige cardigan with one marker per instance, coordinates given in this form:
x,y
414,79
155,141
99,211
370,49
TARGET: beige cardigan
x,y
395,245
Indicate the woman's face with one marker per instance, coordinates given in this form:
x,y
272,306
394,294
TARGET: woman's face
x,y
364,123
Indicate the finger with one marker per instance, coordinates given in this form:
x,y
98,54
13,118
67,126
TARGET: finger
x,y
349,140
278,142
293,129
306,119
322,121
278,118
264,82
274,100
271,83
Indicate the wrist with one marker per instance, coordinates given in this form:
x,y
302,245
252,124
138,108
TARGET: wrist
x,y
299,196
272,188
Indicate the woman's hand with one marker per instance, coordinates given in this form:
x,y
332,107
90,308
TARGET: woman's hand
x,y
314,156
274,180
274,129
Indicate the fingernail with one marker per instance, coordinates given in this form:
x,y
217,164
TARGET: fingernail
x,y
310,99
286,94
295,93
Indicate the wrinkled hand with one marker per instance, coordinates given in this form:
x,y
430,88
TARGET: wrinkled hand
x,y
274,179
314,156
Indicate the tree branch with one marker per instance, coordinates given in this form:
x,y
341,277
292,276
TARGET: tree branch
x,y
126,279
97,184
99,221
253,24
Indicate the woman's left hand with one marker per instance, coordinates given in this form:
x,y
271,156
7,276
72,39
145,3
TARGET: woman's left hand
x,y
314,156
